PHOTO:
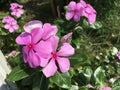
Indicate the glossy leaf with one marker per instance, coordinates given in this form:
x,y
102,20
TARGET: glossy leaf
x,y
96,25
99,75
88,73
20,72
62,80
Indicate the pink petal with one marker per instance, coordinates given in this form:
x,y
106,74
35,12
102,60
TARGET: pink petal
x,y
71,5
76,18
79,6
92,18
50,69
44,48
66,50
36,34
24,38
64,64
49,30
32,24
11,29
92,9
16,27
6,26
54,40
25,51
43,62
69,15
83,3
66,37
33,59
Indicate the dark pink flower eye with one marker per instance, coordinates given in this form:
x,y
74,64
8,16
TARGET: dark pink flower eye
x,y
75,10
30,46
54,55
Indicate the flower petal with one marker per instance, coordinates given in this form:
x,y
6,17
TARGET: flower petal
x,y
33,59
71,5
66,37
32,24
92,18
50,69
83,3
66,50
54,41
69,15
76,18
43,61
6,26
44,48
24,38
25,51
49,30
16,27
36,34
11,29
64,64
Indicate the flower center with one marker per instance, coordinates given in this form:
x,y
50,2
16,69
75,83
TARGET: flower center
x,y
30,46
75,10
54,55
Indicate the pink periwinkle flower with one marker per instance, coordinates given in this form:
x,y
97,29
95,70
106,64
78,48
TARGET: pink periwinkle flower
x,y
16,9
10,23
66,37
60,57
118,55
17,12
89,12
105,88
35,49
74,10
47,29
8,19
11,26
15,6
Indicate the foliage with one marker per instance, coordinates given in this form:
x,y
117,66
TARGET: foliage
x,y
95,61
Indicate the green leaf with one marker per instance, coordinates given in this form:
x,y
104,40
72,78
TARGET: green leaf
x,y
83,88
85,22
96,25
74,87
20,72
27,81
114,51
78,57
40,82
87,71
62,80
116,85
99,75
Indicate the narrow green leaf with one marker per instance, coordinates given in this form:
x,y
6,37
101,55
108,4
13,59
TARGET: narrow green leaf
x,y
62,80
